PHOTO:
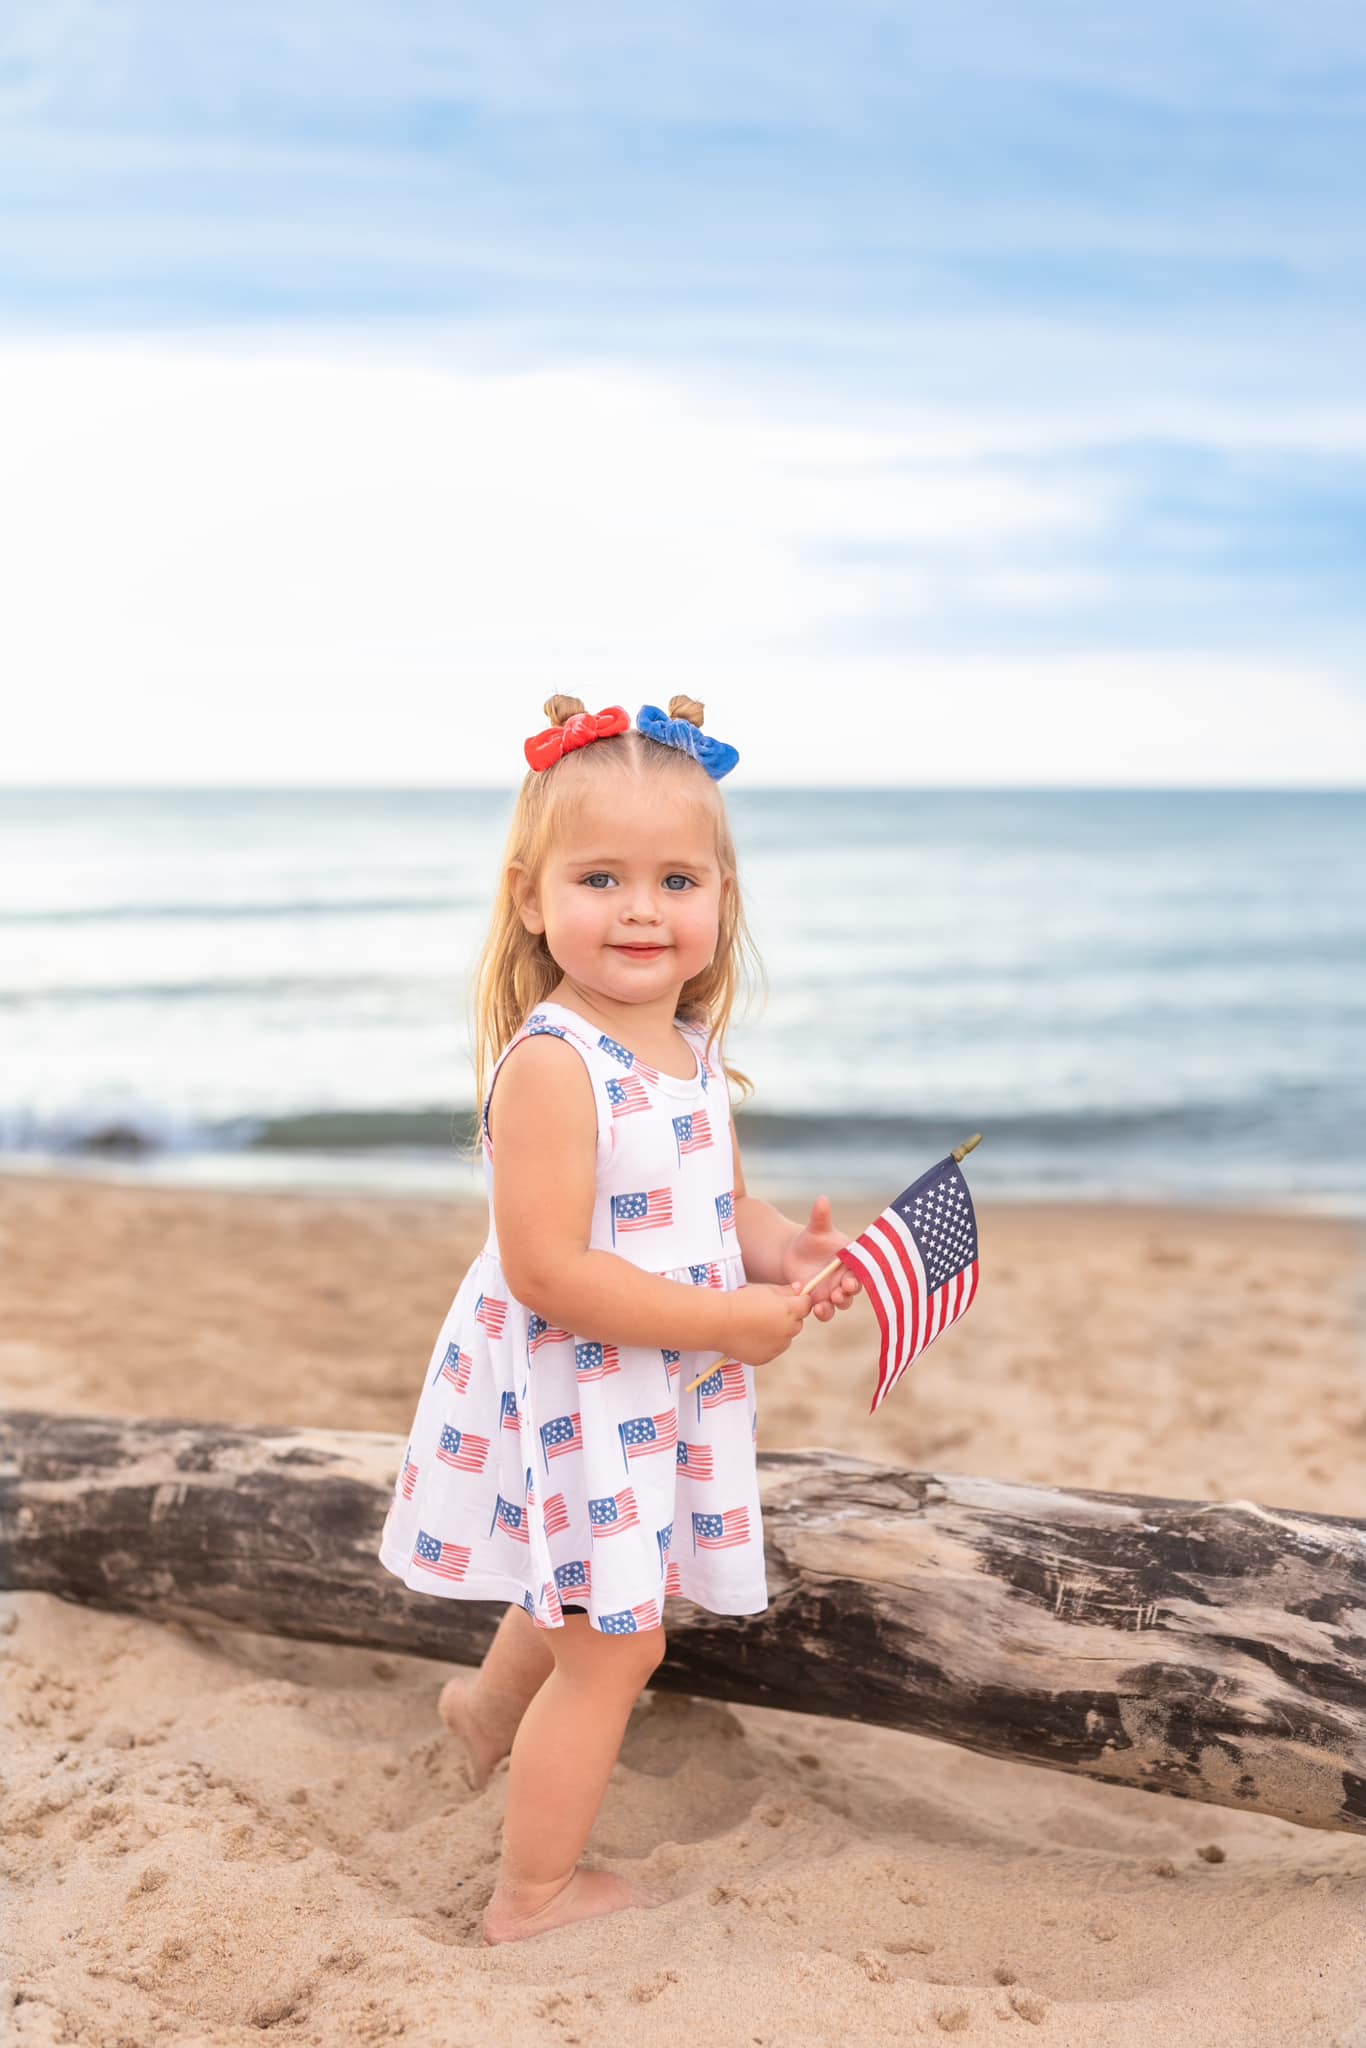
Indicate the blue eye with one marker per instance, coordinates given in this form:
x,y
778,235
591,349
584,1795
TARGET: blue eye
x,y
601,875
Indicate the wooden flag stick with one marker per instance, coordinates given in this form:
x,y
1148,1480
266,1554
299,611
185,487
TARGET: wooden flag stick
x,y
959,1153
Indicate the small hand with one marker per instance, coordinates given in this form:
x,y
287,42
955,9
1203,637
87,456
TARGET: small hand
x,y
813,1247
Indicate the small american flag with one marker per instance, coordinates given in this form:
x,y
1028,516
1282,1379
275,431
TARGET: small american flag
x,y
727,1383
556,1514
692,1133
628,1096
561,1434
694,1460
491,1313
664,1537
720,1532
650,1211
725,1211
459,1447
643,1435
612,1512
510,1518
919,1262
530,1489
673,1580
511,1419
537,1026
455,1367
574,1577
409,1478
595,1361
708,1275
447,1560
629,1620
672,1361
539,1331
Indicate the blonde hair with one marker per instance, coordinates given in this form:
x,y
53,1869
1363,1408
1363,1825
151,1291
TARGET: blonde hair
x,y
516,970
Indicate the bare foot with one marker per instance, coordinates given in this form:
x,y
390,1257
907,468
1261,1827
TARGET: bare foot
x,y
483,1749
587,1895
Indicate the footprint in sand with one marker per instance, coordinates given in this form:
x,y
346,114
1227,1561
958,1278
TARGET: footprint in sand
x,y
644,1993
1029,2006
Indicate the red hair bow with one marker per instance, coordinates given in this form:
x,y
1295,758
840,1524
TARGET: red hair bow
x,y
544,749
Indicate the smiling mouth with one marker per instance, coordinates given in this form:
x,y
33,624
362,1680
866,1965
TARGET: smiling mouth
x,y
653,948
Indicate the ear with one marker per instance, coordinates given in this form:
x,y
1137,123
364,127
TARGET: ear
x,y
526,897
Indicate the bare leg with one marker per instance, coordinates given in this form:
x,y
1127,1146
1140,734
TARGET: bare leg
x,y
485,1711
562,1758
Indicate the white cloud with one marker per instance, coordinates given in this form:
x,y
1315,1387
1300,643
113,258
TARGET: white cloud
x,y
223,566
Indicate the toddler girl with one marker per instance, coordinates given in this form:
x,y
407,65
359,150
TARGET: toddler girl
x,y
555,1460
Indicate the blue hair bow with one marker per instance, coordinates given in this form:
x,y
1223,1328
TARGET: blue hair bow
x,y
715,755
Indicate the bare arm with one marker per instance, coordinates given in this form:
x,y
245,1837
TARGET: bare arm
x,y
543,1126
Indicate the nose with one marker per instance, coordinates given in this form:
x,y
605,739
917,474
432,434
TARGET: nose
x,y
642,908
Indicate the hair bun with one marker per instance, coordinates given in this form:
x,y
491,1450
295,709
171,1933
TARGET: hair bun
x,y
559,710
687,708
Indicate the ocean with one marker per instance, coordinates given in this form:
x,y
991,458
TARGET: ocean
x,y
1135,995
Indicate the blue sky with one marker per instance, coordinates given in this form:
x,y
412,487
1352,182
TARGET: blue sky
x,y
365,367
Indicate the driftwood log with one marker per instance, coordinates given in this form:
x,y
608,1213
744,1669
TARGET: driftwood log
x,y
1216,1651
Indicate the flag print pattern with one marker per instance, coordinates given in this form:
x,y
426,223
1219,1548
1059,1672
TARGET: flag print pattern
x,y
721,1532
695,1461
642,1211
492,1314
692,1133
628,1097
631,1619
612,1513
560,1436
627,1059
727,1383
645,1435
508,1516
455,1367
593,1361
461,1449
448,1560
574,1577
547,1465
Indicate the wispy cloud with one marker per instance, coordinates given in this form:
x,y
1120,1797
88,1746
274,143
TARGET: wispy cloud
x,y
510,343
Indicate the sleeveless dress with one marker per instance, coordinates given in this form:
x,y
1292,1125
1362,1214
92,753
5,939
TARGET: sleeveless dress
x,y
555,1470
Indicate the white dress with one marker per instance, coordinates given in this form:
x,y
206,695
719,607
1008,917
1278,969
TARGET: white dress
x,y
553,1470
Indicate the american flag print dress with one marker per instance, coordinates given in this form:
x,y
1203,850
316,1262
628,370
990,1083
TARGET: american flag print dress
x,y
548,1468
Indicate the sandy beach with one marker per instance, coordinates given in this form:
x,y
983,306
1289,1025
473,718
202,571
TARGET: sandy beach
x,y
211,1836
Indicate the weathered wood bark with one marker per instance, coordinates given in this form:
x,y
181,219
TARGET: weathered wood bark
x,y
1214,1651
